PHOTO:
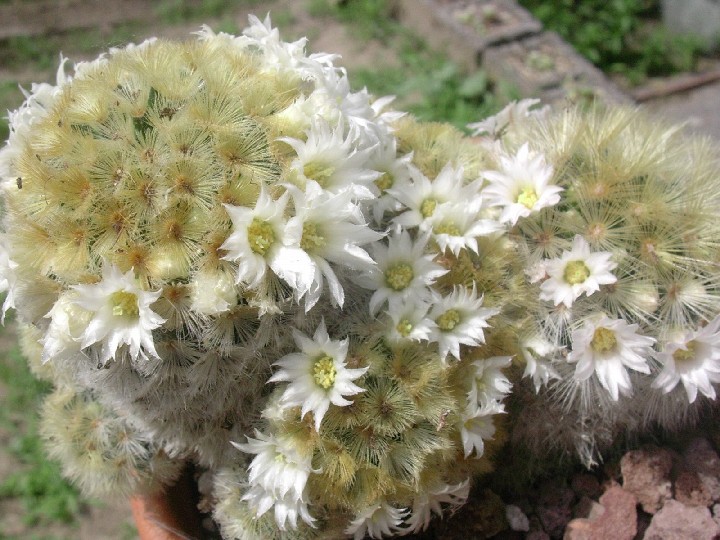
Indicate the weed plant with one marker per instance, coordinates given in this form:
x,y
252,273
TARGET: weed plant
x,y
622,36
37,484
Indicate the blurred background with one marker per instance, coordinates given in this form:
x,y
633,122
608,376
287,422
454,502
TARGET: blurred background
x,y
387,46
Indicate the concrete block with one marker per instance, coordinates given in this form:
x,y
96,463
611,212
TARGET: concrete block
x,y
545,66
463,29
699,18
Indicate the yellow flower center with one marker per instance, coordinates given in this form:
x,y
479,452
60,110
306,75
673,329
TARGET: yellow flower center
x,y
324,372
261,236
404,327
427,208
399,276
385,182
447,227
527,197
312,238
320,172
603,340
448,320
576,272
124,304
686,355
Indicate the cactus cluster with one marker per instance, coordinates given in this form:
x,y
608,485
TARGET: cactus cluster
x,y
129,178
416,418
219,253
623,269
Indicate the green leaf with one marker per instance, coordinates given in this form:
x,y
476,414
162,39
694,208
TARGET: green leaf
x,y
473,86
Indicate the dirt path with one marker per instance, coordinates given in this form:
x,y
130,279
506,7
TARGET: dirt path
x,y
291,16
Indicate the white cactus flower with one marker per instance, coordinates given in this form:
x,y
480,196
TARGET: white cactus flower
x,y
522,186
576,272
121,314
693,360
607,347
317,375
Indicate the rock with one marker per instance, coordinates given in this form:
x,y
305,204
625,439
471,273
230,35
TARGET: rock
x,y
586,485
537,535
700,457
587,508
579,529
554,508
646,474
690,490
618,520
555,493
676,521
554,519
716,513
516,518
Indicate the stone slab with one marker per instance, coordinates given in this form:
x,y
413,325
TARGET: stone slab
x,y
699,18
545,66
464,28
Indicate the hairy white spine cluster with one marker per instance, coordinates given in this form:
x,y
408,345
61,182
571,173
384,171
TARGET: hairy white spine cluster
x,y
219,237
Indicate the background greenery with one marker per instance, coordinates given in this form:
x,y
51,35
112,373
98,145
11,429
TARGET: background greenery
x,y
619,36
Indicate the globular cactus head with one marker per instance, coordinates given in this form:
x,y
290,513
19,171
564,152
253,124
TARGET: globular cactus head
x,y
623,267
376,432
218,242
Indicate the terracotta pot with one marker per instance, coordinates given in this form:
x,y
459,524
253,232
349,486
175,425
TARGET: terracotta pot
x,y
170,514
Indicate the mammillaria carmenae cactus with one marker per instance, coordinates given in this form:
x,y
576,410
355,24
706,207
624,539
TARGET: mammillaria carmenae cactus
x,y
624,270
219,253
217,243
